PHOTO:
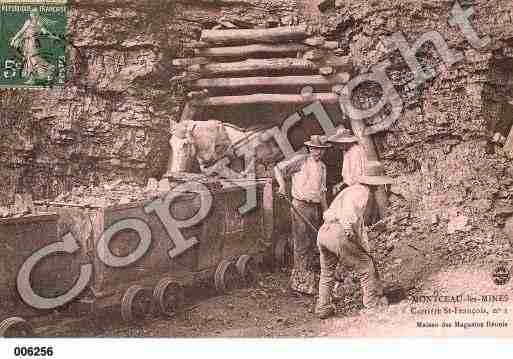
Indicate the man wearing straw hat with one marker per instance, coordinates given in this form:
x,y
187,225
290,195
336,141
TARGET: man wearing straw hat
x,y
343,237
355,161
354,157
308,191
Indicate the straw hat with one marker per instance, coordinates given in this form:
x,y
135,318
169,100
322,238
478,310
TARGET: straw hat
x,y
343,135
373,175
318,142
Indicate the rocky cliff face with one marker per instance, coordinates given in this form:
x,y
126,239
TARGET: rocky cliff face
x,y
113,118
457,184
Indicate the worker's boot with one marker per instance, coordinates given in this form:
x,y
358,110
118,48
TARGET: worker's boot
x,y
372,297
325,312
325,308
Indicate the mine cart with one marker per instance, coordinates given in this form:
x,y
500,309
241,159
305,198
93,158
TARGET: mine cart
x,y
229,249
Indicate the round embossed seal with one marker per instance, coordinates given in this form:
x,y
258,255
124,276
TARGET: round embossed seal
x,y
501,273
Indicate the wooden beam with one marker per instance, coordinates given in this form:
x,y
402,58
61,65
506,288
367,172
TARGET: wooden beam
x,y
227,24
315,41
281,82
246,51
330,45
182,63
255,67
314,55
268,99
195,45
195,95
248,36
186,77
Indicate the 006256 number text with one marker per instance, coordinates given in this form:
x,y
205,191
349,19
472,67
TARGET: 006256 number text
x,y
33,351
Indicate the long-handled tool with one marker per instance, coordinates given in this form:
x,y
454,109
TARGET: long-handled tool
x,y
301,215
316,230
392,293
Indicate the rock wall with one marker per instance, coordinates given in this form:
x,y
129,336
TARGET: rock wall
x,y
113,117
456,183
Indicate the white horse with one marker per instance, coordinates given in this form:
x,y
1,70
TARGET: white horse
x,y
210,141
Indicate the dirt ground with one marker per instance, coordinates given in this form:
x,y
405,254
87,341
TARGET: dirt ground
x,y
269,310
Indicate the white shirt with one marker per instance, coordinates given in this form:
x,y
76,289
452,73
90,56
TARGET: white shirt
x,y
308,177
349,208
354,164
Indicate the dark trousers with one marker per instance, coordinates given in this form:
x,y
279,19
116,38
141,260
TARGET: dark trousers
x,y
306,256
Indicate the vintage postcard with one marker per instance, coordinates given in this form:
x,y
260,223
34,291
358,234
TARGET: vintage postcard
x,y
256,169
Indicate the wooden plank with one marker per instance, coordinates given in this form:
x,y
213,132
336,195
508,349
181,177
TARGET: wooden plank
x,y
315,41
227,24
268,99
190,61
254,67
314,55
247,36
246,51
186,77
280,82
330,45
195,45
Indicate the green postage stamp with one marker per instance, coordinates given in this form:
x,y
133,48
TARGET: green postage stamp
x,y
32,43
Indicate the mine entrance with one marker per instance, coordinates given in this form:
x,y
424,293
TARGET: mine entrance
x,y
259,78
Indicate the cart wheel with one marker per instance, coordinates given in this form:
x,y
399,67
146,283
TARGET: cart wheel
x,y
226,277
16,327
169,297
247,268
136,304
283,254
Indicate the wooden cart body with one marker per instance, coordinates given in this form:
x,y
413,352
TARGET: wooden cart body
x,y
224,233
